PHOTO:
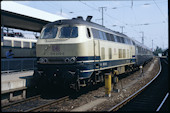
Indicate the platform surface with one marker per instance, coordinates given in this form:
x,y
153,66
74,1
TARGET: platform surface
x,y
14,80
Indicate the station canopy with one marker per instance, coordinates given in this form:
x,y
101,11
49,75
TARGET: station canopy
x,y
18,16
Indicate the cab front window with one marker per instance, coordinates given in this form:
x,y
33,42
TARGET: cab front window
x,y
68,32
49,32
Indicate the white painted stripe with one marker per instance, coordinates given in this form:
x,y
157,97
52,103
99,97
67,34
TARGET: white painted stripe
x,y
102,60
104,68
87,61
162,102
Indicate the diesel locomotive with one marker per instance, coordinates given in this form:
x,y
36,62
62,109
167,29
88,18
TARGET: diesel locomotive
x,y
77,52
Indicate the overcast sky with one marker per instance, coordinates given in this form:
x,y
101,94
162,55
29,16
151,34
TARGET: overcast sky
x,y
148,16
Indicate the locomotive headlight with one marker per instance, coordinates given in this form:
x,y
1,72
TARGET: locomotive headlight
x,y
67,60
41,60
45,60
72,60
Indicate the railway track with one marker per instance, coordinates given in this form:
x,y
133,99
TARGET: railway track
x,y
32,104
149,97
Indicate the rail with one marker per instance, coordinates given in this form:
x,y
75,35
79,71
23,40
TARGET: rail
x,y
21,101
17,64
39,108
119,105
32,99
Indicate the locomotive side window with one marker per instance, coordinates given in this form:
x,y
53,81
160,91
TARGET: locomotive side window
x,y
115,37
88,32
69,32
126,42
95,33
118,39
133,42
101,35
108,37
104,35
49,32
122,39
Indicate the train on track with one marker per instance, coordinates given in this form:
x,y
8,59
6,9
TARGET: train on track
x,y
21,47
77,52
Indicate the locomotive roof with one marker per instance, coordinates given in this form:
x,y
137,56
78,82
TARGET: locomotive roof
x,y
83,22
92,24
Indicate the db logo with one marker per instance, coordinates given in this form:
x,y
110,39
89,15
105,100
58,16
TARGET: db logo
x,y
56,48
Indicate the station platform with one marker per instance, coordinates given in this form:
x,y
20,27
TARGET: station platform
x,y
15,80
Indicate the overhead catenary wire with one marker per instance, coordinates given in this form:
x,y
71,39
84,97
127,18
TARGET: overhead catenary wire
x,y
160,10
128,6
108,16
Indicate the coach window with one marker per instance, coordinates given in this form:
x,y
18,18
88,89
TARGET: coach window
x,y
26,44
112,37
17,43
123,41
108,37
115,37
133,42
49,32
33,44
118,39
88,33
126,42
130,42
7,43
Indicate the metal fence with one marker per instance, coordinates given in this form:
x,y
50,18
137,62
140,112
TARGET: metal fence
x,y
17,64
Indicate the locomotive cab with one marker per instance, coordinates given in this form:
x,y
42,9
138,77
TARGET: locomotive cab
x,y
61,48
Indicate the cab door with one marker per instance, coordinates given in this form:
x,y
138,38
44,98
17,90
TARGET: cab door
x,y
96,54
